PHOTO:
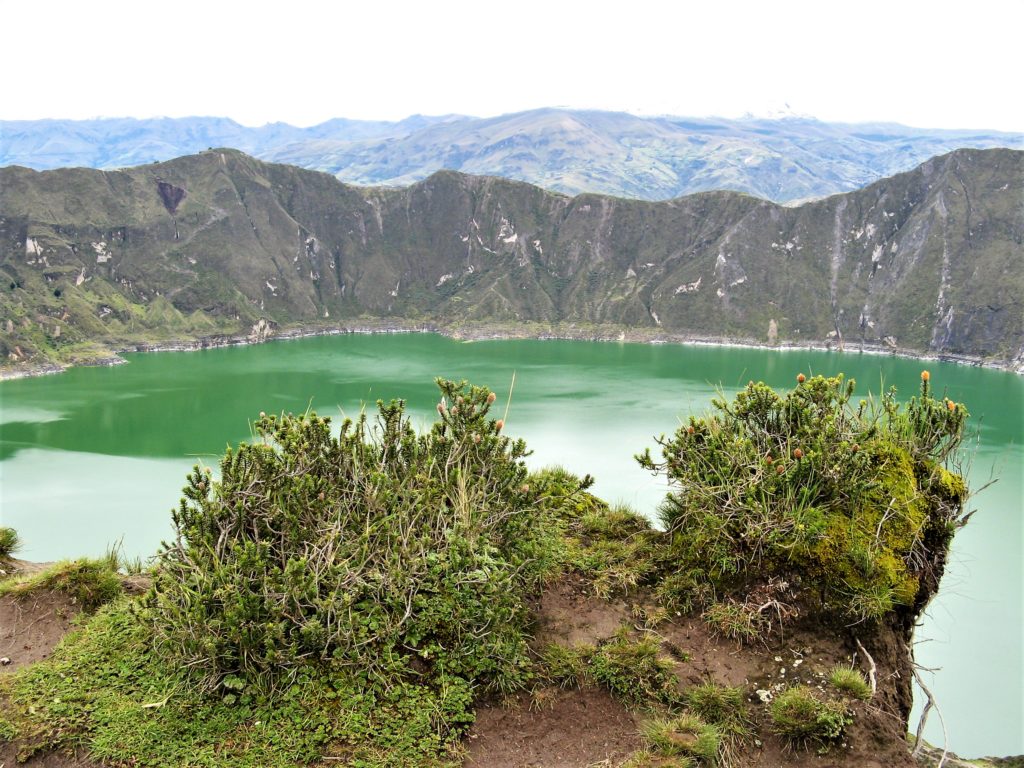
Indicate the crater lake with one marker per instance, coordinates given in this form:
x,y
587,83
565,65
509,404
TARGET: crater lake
x,y
96,457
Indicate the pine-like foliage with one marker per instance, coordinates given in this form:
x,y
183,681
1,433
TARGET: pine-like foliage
x,y
855,503
379,550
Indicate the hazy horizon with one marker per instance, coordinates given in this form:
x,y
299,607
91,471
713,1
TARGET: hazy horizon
x,y
260,63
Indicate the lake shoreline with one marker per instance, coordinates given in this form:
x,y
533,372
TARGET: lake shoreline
x,y
494,332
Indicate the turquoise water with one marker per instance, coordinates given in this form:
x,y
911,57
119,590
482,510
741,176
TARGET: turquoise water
x,y
96,456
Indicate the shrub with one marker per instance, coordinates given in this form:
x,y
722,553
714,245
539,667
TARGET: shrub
x,y
801,717
849,681
855,502
368,551
635,670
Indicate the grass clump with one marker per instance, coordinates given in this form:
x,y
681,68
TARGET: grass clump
x,y
635,670
857,503
9,543
684,736
802,717
719,705
566,666
850,681
90,582
613,547
732,619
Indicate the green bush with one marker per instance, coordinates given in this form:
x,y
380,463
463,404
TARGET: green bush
x,y
801,717
857,503
374,551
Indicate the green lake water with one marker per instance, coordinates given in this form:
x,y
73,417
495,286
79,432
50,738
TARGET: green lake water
x,y
95,456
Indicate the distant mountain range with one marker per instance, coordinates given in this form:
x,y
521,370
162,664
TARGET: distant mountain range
x,y
928,261
613,153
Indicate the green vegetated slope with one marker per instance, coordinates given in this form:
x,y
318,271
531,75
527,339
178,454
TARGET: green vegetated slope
x,y
926,261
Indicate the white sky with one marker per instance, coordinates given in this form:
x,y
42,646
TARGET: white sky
x,y
933,64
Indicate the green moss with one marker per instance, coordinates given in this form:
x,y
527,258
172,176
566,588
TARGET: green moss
x,y
103,690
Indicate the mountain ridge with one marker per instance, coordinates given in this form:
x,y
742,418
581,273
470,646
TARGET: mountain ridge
x,y
221,243
572,151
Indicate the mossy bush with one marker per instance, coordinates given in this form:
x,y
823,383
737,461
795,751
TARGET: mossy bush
x,y
378,550
858,504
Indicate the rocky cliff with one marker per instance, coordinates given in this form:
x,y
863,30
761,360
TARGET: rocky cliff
x,y
928,261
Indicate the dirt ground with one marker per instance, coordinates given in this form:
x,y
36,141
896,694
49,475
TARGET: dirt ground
x,y
30,628
587,728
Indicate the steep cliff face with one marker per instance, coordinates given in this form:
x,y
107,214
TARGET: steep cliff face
x,y
928,261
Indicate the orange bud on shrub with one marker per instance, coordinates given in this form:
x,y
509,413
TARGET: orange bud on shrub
x,y
779,469
925,375
798,454
491,398
800,378
498,425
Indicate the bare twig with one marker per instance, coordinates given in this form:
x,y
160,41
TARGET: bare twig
x,y
509,401
871,672
930,704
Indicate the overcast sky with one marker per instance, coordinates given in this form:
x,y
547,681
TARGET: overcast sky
x,y
930,64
